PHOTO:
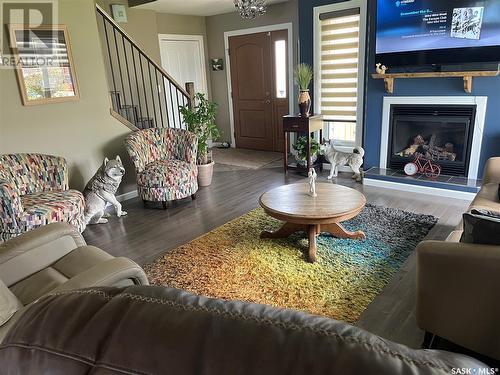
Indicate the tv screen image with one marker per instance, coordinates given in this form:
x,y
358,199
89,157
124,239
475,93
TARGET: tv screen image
x,y
466,23
406,26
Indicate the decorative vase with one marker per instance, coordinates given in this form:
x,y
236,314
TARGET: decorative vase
x,y
205,173
304,103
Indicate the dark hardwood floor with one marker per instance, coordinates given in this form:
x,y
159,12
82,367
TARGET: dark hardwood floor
x,y
146,234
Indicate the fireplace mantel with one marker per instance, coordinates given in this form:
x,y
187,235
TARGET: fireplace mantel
x,y
479,101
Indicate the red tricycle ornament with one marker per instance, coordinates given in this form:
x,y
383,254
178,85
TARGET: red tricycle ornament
x,y
423,166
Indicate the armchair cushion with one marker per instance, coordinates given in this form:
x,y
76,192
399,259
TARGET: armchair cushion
x,y
481,227
52,207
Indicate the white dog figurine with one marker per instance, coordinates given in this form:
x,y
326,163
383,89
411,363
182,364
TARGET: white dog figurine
x,y
312,182
339,158
100,191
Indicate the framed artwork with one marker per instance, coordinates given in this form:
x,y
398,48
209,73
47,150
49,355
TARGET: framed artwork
x,y
217,65
119,13
45,68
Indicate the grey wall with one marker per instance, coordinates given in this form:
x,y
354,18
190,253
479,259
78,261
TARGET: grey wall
x,y
217,25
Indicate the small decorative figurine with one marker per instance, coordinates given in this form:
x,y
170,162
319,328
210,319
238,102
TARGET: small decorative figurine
x,y
423,166
338,158
312,182
380,69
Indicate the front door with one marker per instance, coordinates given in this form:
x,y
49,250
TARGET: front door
x,y
259,79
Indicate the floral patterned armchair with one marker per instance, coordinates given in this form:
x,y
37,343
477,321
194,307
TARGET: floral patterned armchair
x,y
34,191
165,163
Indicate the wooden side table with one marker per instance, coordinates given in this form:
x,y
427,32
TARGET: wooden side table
x,y
298,124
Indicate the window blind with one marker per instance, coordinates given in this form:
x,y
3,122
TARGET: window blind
x,y
42,46
340,41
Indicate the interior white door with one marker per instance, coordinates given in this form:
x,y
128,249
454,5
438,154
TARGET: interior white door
x,y
184,59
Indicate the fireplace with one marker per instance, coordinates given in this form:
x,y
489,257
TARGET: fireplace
x,y
442,133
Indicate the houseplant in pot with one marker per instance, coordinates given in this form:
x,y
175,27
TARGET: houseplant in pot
x,y
301,147
200,120
303,78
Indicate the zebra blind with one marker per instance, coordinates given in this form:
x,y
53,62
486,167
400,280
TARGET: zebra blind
x,y
340,40
42,47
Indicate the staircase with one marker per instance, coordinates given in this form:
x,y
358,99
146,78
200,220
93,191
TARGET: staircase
x,y
142,94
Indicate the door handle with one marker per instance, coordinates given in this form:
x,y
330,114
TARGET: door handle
x,y
268,101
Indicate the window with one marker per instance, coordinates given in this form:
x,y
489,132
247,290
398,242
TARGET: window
x,y
339,62
280,61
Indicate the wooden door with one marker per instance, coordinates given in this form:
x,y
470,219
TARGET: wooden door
x,y
257,111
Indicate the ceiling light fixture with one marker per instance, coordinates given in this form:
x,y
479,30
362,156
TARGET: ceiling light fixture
x,y
250,9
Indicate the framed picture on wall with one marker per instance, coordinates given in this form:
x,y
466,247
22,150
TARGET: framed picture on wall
x,y
217,65
44,64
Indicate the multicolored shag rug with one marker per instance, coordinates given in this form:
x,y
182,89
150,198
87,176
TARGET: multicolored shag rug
x,y
232,262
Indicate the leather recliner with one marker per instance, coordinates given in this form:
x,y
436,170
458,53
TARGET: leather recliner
x,y
457,282
55,258
155,330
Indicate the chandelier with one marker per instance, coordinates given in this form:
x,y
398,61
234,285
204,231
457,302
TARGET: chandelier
x,y
250,9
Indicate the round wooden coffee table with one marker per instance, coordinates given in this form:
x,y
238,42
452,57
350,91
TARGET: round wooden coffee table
x,y
324,213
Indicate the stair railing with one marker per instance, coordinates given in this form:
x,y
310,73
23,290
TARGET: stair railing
x,y
142,92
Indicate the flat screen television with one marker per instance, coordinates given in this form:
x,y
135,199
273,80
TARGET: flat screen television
x,y
437,32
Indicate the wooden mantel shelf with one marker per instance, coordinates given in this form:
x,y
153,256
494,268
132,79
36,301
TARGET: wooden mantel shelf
x,y
467,77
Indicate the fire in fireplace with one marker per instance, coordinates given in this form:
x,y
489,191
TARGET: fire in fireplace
x,y
442,133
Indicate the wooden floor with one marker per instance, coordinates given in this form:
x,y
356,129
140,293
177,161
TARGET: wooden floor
x,y
145,234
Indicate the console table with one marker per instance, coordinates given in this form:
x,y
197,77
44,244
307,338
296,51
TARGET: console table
x,y
298,124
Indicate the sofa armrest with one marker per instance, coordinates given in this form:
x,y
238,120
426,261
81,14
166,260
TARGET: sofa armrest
x,y
492,171
11,208
113,272
457,285
35,250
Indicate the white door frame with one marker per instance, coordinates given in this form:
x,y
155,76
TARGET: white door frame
x,y
255,30
197,38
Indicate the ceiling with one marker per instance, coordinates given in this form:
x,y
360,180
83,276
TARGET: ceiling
x,y
195,7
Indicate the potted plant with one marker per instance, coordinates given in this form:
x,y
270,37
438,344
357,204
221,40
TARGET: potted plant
x,y
303,78
301,147
200,120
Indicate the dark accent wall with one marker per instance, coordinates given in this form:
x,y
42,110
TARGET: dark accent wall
x,y
374,89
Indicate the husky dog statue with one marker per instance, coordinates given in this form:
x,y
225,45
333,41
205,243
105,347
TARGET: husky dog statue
x,y
339,158
100,191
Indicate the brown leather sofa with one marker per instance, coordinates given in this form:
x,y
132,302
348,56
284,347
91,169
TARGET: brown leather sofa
x,y
457,283
153,330
55,258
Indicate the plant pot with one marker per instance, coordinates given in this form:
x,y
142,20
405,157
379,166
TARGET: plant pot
x,y
304,103
303,162
205,173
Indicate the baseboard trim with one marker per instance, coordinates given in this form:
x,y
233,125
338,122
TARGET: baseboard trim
x,y
126,196
463,195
